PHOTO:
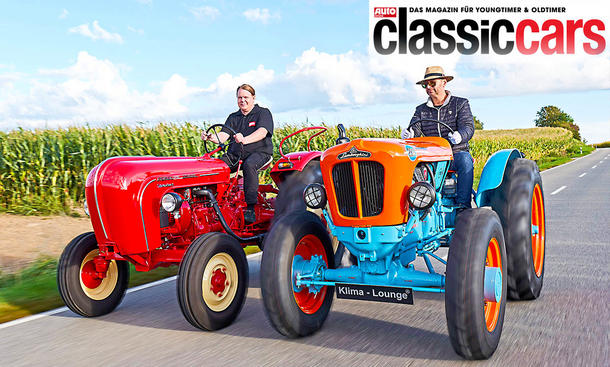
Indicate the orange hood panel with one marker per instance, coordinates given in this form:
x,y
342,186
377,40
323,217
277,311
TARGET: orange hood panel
x,y
398,157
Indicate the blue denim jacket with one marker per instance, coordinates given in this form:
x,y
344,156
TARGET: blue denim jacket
x,y
455,112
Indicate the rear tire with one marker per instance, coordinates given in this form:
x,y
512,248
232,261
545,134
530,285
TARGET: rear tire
x,y
519,202
474,325
291,313
212,281
81,290
290,196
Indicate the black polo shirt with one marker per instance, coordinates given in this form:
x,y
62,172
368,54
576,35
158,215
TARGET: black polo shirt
x,y
247,124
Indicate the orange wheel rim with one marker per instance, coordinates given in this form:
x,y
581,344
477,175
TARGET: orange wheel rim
x,y
492,309
538,230
307,301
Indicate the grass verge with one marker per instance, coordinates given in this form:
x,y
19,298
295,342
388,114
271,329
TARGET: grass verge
x,y
553,161
34,289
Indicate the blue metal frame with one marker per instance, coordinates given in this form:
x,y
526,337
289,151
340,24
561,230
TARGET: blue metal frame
x,y
385,253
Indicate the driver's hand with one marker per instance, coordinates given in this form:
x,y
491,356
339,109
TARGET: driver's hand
x,y
205,136
406,134
239,138
455,137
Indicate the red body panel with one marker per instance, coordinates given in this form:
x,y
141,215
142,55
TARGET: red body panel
x,y
290,162
124,194
298,161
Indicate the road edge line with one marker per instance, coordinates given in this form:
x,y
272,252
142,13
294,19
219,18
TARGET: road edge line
x,y
37,316
565,164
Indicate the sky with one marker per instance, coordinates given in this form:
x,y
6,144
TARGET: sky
x,y
71,63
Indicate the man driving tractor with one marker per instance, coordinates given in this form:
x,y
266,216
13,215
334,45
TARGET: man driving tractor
x,y
455,112
254,127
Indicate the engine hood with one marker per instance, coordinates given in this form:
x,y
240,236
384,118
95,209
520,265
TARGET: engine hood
x,y
123,194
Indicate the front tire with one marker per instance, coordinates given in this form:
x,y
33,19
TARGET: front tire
x,y
293,313
474,325
212,281
81,289
290,199
519,202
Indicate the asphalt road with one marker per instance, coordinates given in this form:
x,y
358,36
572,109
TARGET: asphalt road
x,y
567,326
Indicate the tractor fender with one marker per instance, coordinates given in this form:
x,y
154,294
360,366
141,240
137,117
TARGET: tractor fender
x,y
296,162
493,174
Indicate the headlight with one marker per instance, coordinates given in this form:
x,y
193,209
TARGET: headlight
x,y
421,195
314,196
86,208
171,201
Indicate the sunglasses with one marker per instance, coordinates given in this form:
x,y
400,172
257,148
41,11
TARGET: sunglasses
x,y
431,83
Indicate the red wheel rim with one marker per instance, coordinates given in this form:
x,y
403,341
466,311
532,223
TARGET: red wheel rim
x,y
307,301
538,222
95,286
492,309
218,281
89,276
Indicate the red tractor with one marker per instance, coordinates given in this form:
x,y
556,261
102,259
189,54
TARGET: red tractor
x,y
162,211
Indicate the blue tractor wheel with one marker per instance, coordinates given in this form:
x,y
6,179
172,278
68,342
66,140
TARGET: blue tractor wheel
x,y
293,310
475,289
519,202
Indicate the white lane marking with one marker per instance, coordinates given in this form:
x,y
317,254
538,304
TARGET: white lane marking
x,y
63,309
583,174
148,285
558,190
594,167
32,317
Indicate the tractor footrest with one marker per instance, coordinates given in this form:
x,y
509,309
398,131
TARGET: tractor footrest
x,y
374,293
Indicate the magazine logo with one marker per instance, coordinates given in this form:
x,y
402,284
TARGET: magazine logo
x,y
354,153
413,35
384,12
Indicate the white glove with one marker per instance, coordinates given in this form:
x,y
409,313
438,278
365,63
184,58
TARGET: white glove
x,y
406,134
455,137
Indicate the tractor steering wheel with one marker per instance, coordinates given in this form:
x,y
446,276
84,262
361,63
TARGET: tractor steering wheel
x,y
431,120
214,130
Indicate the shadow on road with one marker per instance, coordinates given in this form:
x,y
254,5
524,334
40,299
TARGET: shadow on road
x,y
353,333
342,331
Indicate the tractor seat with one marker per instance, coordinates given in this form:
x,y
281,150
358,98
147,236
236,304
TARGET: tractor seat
x,y
267,164
263,167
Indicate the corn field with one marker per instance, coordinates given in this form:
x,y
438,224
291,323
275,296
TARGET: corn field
x,y
44,171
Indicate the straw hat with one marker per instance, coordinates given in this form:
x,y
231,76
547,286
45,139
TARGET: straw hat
x,y
435,72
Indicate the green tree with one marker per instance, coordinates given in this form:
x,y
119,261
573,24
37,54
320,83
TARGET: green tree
x,y
553,116
478,124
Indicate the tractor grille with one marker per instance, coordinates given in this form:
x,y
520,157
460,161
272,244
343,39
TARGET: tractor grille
x,y
371,179
371,187
343,178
